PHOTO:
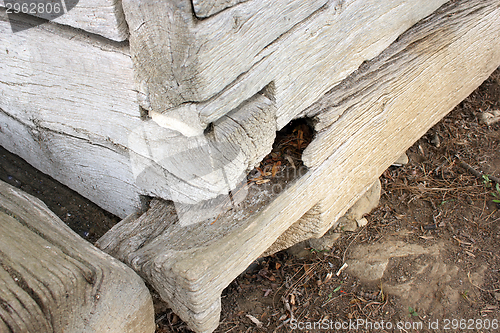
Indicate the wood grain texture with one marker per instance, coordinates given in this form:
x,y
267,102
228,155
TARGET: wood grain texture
x,y
189,170
319,53
325,43
360,103
178,58
101,17
67,106
54,281
190,266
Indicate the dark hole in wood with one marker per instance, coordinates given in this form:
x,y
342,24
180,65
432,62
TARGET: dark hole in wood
x,y
284,163
144,113
209,130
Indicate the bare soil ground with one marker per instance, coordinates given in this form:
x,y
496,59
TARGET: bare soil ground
x,y
427,261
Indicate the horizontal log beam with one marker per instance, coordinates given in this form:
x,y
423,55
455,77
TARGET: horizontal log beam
x,y
101,17
67,106
302,48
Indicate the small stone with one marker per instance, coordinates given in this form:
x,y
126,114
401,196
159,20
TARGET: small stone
x,y
497,296
402,160
362,222
299,250
349,225
326,242
436,141
489,118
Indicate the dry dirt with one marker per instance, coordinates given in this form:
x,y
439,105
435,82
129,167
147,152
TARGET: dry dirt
x,y
427,261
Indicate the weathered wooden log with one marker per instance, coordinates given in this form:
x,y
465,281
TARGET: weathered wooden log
x,y
102,17
51,280
397,99
101,117
177,57
68,104
303,48
427,80
189,170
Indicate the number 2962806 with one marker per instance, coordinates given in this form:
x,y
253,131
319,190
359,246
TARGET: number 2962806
x,y
470,324
33,8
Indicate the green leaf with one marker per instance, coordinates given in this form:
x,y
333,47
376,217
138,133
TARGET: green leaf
x,y
337,289
412,311
486,181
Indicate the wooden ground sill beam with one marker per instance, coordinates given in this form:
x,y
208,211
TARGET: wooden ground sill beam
x,y
303,47
101,17
190,266
52,280
428,79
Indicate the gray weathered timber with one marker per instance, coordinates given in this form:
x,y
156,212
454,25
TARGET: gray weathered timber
x,y
101,17
303,47
178,58
51,280
190,266
67,107
81,124
189,170
420,87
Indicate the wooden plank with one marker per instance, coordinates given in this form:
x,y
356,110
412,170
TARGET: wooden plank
x,y
67,105
190,266
101,17
54,281
303,58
